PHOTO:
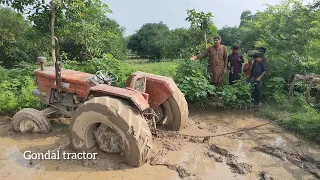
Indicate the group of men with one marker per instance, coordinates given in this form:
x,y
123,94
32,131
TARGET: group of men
x,y
219,63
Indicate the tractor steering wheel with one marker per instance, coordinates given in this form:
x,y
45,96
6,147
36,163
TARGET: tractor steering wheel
x,y
106,77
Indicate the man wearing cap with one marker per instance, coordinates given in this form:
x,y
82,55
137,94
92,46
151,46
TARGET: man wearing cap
x,y
218,61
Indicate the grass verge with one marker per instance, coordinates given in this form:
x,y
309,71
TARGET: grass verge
x,y
301,120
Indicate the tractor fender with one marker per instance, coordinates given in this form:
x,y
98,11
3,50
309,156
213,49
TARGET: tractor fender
x,y
139,99
159,88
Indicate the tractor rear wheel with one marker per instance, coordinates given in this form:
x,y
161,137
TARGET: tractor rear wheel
x,y
31,120
102,117
173,113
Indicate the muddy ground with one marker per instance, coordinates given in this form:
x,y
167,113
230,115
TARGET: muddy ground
x,y
264,153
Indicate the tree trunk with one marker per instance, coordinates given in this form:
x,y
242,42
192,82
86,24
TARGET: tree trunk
x,y
53,17
205,38
318,97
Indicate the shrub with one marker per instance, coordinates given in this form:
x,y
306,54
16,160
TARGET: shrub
x,y
192,80
15,94
238,95
274,85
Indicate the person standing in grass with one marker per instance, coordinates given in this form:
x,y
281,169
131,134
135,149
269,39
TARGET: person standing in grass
x,y
235,59
257,72
218,61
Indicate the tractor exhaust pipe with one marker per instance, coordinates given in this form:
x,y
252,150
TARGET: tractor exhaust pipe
x,y
42,60
58,67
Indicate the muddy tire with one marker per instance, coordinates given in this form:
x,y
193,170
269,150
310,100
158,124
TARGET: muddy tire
x,y
118,115
30,119
174,111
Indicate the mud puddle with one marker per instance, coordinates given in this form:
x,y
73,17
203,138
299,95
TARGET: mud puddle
x,y
231,156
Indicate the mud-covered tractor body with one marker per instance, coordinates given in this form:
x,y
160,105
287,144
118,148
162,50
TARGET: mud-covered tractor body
x,y
78,87
117,119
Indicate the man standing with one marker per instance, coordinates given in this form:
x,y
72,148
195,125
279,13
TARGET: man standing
x,y
235,59
218,61
257,72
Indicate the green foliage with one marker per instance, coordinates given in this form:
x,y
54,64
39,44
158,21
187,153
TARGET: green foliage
x,y
193,81
147,41
294,115
82,27
273,86
238,95
201,21
246,16
290,32
230,35
14,38
16,86
156,42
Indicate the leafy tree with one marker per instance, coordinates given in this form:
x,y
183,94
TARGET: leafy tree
x,y
290,33
82,27
246,16
146,42
230,35
202,21
14,32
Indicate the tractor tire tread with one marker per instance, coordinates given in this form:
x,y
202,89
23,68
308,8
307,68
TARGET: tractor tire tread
x,y
36,116
128,119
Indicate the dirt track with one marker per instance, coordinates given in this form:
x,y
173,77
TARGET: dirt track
x,y
237,156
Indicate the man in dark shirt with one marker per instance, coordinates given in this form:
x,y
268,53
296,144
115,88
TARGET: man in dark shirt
x,y
257,72
235,60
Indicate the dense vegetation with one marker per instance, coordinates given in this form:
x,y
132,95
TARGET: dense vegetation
x,y
91,41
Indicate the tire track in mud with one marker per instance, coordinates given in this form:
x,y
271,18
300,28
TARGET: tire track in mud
x,y
171,144
157,160
231,160
300,159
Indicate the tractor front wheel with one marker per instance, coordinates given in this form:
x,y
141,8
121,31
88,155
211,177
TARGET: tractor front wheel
x,y
31,120
115,126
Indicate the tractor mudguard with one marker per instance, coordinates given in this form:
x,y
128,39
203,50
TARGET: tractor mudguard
x,y
158,87
138,98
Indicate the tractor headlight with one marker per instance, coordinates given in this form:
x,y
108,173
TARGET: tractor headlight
x,y
140,84
36,92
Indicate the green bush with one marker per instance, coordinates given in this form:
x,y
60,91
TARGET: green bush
x,y
15,94
238,95
273,86
192,80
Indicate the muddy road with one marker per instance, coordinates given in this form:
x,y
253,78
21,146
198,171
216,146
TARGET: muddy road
x,y
267,152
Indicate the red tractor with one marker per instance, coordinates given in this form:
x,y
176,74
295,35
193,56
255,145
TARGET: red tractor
x,y
115,119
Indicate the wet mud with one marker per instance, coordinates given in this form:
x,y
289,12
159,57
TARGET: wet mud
x,y
231,160
158,160
300,159
242,155
266,176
